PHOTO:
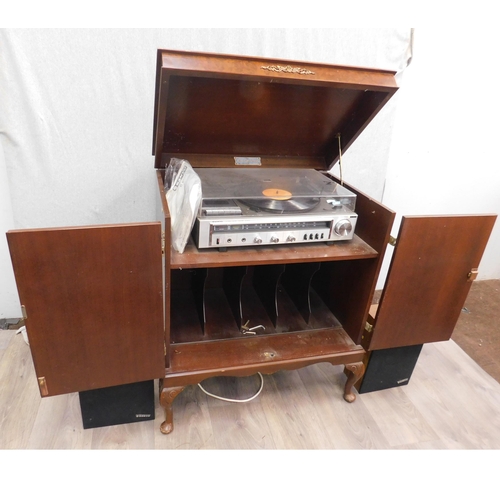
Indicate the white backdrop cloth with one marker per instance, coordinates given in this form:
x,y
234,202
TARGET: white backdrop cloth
x,y
76,117
77,111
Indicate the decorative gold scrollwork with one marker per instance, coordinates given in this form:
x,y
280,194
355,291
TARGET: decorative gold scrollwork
x,y
287,69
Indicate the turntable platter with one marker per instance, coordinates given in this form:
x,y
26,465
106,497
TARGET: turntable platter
x,y
282,206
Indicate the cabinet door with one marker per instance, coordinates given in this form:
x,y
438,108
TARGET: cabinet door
x,y
93,302
429,279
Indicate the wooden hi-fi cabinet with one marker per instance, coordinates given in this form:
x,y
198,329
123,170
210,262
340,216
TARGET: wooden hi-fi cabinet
x,y
113,305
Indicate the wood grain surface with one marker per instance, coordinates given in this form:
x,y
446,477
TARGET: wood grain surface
x,y
427,283
94,303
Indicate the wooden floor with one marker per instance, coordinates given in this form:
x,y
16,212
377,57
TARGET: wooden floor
x,y
450,403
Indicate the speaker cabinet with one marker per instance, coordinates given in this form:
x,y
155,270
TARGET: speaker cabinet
x,y
123,404
389,368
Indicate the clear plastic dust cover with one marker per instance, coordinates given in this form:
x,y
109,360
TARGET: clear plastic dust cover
x,y
268,183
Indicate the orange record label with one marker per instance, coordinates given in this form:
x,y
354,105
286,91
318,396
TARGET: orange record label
x,y
277,194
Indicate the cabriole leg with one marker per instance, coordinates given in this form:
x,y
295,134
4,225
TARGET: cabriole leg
x,y
357,370
167,396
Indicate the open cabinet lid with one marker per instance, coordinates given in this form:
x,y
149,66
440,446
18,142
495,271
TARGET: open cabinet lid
x,y
434,263
227,106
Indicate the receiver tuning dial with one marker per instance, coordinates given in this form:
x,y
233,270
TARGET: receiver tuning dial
x,y
343,227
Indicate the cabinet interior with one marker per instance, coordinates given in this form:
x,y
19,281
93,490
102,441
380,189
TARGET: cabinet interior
x,y
240,301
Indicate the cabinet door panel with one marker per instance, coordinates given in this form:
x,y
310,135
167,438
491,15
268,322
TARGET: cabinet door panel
x,y
94,304
428,281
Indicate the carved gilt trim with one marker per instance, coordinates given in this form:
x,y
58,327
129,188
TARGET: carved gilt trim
x,y
287,69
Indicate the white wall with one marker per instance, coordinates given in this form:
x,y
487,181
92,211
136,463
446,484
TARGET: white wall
x,y
9,303
76,117
444,154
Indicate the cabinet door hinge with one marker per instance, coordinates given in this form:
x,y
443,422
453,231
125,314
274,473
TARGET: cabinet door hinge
x,y
392,241
473,274
42,383
163,242
23,312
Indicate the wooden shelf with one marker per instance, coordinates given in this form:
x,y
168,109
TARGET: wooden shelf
x,y
265,353
284,254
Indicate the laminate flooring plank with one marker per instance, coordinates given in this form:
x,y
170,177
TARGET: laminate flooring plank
x,y
58,425
241,426
401,423
19,395
460,399
5,338
455,431
348,425
135,436
472,373
470,385
291,414
192,424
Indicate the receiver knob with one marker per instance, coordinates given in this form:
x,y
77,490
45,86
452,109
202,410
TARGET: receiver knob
x,y
343,227
258,240
274,239
291,239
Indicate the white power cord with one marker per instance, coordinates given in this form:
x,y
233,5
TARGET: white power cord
x,y
236,400
24,333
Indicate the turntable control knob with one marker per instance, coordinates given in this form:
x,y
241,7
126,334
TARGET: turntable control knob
x,y
291,239
257,240
343,227
274,239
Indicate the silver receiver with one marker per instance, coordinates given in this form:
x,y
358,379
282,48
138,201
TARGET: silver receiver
x,y
268,230
244,207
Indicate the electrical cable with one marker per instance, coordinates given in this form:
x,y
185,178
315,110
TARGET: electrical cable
x,y
236,400
340,161
24,333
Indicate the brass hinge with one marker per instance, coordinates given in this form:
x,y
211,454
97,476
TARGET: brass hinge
x,y
473,274
42,383
23,312
392,241
163,242
368,327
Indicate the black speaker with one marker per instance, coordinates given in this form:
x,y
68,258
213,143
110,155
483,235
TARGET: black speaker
x,y
390,368
122,404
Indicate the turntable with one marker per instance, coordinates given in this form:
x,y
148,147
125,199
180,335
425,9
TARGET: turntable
x,y
244,207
